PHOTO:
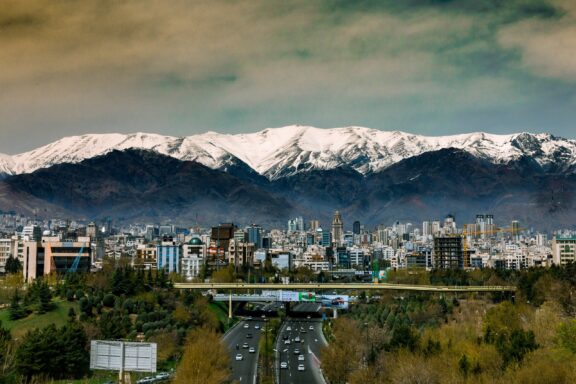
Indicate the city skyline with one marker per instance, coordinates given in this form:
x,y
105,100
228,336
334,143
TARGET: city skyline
x,y
177,68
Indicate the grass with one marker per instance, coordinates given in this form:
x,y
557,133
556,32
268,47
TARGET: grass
x,y
221,311
57,316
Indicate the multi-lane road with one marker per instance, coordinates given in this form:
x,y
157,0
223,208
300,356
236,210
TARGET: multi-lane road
x,y
239,340
298,347
304,332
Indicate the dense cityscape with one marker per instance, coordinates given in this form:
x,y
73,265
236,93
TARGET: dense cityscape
x,y
190,251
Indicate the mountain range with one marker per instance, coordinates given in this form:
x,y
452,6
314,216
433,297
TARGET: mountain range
x,y
269,176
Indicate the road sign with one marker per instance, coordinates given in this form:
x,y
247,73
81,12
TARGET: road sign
x,y
123,356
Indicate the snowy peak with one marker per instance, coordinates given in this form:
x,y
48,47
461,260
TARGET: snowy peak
x,y
279,152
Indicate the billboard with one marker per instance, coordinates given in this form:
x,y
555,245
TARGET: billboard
x,y
120,355
294,296
334,301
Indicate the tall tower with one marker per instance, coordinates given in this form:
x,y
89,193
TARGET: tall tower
x,y
356,227
337,229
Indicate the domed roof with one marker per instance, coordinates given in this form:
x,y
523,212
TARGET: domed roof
x,y
195,241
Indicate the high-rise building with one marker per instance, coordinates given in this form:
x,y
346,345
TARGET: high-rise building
x,y
337,228
563,249
314,225
356,227
515,230
255,235
448,252
426,229
168,255
296,224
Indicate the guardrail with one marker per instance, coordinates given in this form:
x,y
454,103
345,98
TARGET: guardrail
x,y
344,286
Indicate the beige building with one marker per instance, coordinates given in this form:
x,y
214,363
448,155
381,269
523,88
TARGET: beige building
x,y
563,250
51,255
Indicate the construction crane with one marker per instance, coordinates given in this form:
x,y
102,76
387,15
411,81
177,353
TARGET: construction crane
x,y
466,233
76,261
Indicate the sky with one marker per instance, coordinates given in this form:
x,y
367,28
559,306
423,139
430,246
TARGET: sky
x,y
179,67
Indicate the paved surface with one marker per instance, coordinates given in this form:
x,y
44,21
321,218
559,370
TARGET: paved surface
x,y
244,371
346,286
309,346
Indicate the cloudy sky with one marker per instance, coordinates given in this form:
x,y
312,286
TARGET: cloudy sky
x,y
181,67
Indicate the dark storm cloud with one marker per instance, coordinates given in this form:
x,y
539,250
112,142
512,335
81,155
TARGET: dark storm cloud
x,y
181,67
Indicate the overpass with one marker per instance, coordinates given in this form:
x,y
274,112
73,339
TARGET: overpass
x,y
344,286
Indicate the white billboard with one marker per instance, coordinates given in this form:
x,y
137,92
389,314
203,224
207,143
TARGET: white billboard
x,y
120,355
334,301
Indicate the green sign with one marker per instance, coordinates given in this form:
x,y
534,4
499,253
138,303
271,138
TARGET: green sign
x,y
307,296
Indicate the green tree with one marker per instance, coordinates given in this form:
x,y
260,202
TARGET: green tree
x,y
12,265
114,324
44,303
74,349
17,311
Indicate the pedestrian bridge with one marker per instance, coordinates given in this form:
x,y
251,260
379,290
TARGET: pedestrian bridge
x,y
346,286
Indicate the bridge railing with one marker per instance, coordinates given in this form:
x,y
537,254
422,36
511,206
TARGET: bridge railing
x,y
347,286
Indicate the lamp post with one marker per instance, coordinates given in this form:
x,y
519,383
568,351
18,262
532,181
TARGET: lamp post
x,y
266,347
366,345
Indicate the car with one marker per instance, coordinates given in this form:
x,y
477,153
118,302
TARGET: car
x,y
284,337
239,357
303,330
246,326
248,335
308,316
256,326
145,380
287,341
296,351
288,328
297,339
252,350
245,345
311,327
162,376
301,367
300,357
283,365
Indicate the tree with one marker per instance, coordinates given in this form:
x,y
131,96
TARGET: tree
x,y
6,352
75,355
44,298
54,353
17,311
114,324
205,359
13,265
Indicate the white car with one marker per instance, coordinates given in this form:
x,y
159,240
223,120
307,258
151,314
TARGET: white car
x,y
287,341
283,365
256,326
246,326
301,367
297,339
239,357
311,328
300,357
288,328
252,350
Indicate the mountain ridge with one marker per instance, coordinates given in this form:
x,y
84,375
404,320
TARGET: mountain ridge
x,y
145,186
280,152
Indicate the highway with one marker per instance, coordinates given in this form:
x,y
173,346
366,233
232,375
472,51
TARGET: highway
x,y
347,286
244,371
309,346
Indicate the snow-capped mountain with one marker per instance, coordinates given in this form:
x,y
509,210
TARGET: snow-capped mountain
x,y
279,152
